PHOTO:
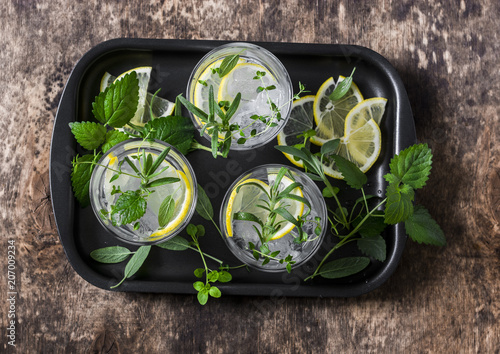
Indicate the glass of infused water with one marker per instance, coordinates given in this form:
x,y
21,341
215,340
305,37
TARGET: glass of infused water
x,y
141,195
261,79
274,218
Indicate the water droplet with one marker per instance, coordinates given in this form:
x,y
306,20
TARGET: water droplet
x,y
379,192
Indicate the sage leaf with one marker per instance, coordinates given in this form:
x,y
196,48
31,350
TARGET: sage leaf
x,y
113,254
228,64
177,243
166,211
342,88
330,146
135,263
344,267
204,205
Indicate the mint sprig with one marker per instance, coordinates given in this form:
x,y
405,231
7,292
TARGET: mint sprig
x,y
411,166
130,206
113,137
89,135
83,166
117,104
175,130
409,170
422,228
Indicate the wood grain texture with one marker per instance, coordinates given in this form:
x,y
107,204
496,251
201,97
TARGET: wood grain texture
x,y
439,300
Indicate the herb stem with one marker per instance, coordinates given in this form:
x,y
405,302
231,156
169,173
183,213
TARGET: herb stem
x,y
205,254
332,191
344,240
109,168
197,146
202,258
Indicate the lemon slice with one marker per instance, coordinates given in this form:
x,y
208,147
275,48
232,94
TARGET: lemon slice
x,y
301,120
330,115
250,196
241,79
371,108
362,141
246,200
207,78
182,197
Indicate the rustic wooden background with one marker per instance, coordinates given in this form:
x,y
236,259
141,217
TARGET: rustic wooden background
x,y
439,300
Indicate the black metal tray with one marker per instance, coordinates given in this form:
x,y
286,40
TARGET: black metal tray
x,y
172,61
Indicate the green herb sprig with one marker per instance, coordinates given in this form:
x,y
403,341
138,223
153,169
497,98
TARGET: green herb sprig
x,y
409,170
276,205
216,122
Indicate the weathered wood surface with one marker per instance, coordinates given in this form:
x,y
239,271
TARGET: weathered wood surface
x,y
439,300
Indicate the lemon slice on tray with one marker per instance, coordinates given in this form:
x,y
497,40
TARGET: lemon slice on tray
x,y
301,120
362,140
330,115
249,196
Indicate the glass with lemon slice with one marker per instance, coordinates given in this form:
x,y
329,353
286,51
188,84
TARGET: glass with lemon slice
x,y
244,79
249,193
147,229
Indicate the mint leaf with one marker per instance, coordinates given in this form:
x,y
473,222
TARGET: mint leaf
x,y
83,166
166,211
117,105
113,137
204,205
129,206
411,166
372,226
352,174
175,130
399,204
135,263
422,228
113,254
373,246
343,267
177,243
89,135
